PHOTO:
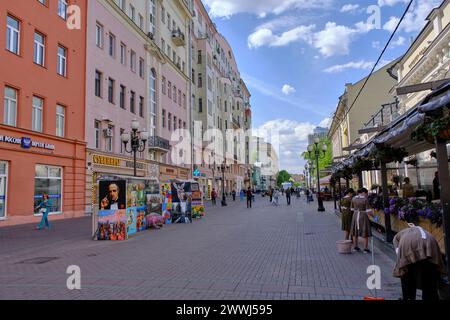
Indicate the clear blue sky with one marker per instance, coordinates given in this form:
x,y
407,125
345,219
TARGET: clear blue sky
x,y
297,55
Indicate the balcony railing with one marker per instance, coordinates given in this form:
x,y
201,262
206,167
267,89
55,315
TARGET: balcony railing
x,y
178,37
159,143
382,118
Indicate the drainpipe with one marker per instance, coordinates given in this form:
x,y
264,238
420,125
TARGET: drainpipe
x,y
444,181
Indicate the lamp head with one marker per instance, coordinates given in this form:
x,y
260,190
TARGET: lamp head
x,y
316,140
135,124
125,137
144,136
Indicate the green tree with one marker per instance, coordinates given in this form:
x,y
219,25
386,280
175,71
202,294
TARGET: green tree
x,y
324,162
283,176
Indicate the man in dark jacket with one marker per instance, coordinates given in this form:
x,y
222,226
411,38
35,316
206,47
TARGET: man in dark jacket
x,y
288,196
249,197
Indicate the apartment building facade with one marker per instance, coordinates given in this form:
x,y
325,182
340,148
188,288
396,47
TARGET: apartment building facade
x,y
42,132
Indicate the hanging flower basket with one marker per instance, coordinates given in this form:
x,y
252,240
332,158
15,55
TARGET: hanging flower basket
x,y
445,133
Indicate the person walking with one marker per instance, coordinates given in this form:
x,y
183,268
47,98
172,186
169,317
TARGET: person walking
x,y
419,263
249,198
213,196
233,193
44,208
270,194
346,212
241,195
288,196
360,221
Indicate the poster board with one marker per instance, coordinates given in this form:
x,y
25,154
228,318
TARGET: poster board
x,y
112,225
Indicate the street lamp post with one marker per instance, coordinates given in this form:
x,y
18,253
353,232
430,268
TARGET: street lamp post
x,y
318,152
138,141
224,200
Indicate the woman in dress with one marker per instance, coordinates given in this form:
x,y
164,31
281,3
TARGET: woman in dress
x,y
346,212
360,222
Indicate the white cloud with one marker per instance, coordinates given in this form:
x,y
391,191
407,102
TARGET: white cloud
x,y
227,8
334,39
390,3
326,123
414,20
401,41
290,140
287,89
376,45
350,8
361,65
265,37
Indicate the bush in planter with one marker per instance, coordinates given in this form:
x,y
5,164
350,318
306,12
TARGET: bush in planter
x,y
388,154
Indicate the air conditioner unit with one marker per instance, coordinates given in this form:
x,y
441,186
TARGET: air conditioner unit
x,y
108,133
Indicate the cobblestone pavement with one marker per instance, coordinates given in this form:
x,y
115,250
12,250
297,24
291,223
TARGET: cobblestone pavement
x,y
233,253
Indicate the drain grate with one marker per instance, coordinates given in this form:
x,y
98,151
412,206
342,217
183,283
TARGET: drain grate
x,y
38,260
309,234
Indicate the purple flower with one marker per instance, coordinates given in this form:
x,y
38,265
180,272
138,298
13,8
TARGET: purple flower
x,y
421,213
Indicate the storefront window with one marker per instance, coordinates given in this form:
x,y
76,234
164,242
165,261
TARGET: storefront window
x,y
48,180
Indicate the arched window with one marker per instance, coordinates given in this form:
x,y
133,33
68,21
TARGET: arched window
x,y
153,106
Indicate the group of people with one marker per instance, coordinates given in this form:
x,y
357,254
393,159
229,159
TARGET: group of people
x,y
249,194
419,262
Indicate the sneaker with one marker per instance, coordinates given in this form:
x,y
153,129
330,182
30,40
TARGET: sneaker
x,y
367,251
357,249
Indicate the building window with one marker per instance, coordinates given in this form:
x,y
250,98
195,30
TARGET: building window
x,y
122,96
39,48
98,83
169,122
123,54
132,102
153,106
163,15
60,120
174,94
179,98
97,134
164,118
152,26
48,179
180,124
200,105
112,45
141,106
122,5
99,35
168,21
169,90
37,112
12,35
184,100
163,45
141,68
174,123
141,22
10,107
62,9
133,61
109,138
132,12
200,80
62,61
111,86
199,57
163,85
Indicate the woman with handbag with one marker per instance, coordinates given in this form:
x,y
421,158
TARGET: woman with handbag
x,y
360,221
44,208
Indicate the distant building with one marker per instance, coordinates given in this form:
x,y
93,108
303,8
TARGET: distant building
x,y
318,132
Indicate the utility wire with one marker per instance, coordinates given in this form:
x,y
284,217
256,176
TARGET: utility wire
x,y
379,59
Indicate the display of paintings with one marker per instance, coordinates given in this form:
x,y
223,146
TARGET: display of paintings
x,y
136,193
112,195
136,221
112,225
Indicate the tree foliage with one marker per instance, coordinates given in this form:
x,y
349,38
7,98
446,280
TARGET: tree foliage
x,y
325,161
283,176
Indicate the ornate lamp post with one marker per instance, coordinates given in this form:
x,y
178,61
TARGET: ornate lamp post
x,y
222,167
138,141
305,173
319,153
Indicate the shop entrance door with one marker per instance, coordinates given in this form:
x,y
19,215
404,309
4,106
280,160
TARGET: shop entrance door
x,y
3,184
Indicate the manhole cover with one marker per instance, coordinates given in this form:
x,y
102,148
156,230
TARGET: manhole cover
x,y
38,260
309,234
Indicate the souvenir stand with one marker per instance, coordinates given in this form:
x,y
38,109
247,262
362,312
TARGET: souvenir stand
x,y
124,206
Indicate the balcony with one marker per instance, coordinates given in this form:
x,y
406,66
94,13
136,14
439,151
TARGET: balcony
x,y
158,143
178,38
380,120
